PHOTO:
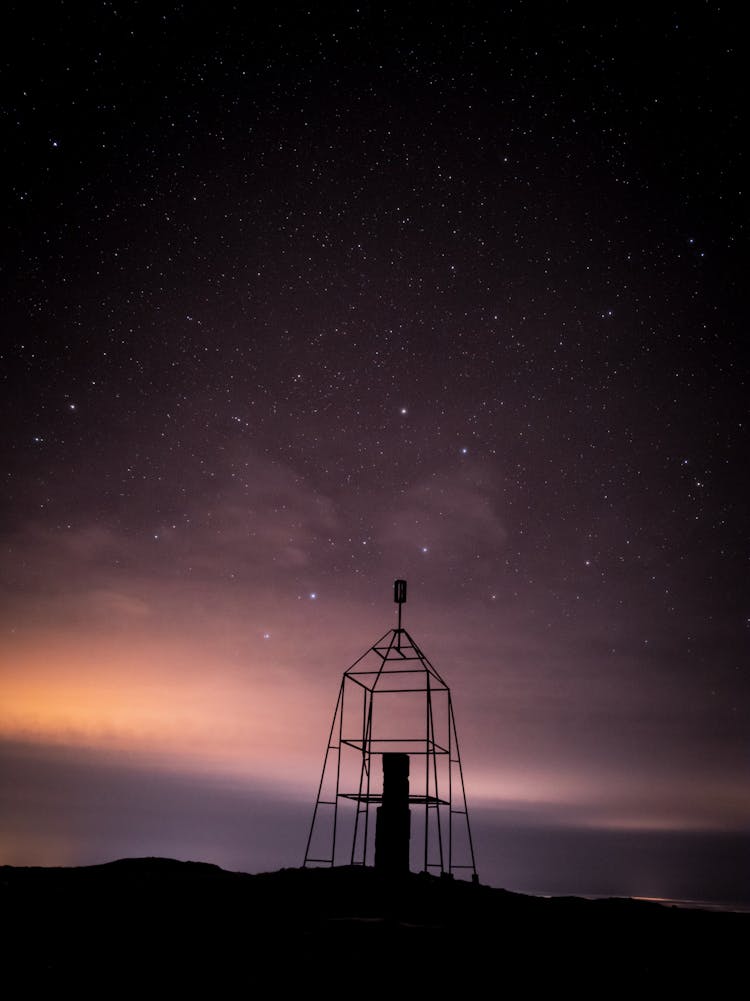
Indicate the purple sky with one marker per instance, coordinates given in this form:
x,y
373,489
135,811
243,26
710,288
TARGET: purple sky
x,y
295,306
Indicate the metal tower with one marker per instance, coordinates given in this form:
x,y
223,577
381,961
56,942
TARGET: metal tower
x,y
392,705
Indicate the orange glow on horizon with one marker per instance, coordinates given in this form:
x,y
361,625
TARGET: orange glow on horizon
x,y
193,709
162,699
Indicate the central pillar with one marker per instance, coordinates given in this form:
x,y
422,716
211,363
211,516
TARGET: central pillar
x,y
393,822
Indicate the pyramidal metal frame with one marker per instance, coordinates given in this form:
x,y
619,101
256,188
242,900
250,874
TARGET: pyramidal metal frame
x,y
393,675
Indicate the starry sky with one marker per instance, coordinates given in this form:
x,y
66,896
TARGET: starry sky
x,y
298,301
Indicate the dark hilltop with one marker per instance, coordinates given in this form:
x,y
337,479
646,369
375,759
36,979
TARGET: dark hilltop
x,y
157,922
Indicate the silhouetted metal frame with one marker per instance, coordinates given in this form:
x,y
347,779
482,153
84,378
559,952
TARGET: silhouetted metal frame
x,y
390,652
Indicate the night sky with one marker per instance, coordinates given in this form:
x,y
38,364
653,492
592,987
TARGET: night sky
x,y
301,301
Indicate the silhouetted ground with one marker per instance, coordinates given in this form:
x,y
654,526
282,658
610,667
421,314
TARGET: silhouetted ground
x,y
143,924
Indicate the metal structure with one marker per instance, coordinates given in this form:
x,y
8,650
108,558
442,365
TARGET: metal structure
x,y
392,702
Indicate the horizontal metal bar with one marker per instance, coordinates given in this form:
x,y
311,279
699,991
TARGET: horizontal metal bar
x,y
393,740
360,745
398,691
377,797
396,670
401,656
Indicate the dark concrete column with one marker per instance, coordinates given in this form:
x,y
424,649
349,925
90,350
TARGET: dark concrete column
x,y
393,824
